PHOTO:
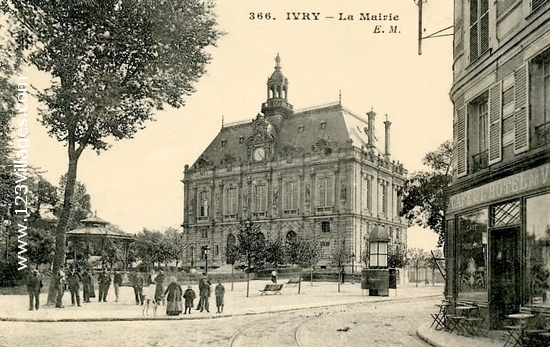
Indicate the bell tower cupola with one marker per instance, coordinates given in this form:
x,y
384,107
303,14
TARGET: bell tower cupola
x,y
277,93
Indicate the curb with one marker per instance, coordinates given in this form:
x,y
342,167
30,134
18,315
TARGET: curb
x,y
421,333
182,317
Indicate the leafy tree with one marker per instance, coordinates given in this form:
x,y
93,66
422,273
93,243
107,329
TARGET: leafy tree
x,y
425,197
81,205
10,62
232,254
304,252
252,247
174,244
340,257
274,252
397,255
112,64
148,247
417,258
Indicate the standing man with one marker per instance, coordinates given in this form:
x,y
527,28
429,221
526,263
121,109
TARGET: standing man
x,y
137,283
60,288
34,284
117,282
74,286
87,287
205,294
220,292
104,281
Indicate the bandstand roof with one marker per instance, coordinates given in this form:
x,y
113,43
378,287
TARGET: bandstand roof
x,y
95,227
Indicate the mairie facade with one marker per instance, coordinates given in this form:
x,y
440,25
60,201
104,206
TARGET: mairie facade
x,y
498,220
314,172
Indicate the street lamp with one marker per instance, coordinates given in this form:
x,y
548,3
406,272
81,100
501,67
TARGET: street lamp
x,y
206,250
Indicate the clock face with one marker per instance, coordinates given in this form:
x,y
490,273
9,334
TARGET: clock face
x,y
259,154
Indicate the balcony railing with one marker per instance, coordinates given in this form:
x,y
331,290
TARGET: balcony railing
x,y
542,135
480,161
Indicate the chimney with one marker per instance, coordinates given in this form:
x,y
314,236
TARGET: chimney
x,y
387,124
371,114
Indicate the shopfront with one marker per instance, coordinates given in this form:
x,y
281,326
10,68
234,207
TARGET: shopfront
x,y
498,241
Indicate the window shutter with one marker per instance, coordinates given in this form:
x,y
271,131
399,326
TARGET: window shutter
x,y
461,148
521,114
495,124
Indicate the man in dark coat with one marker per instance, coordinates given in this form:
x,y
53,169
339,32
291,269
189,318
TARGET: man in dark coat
x,y
104,282
34,283
137,283
189,296
205,294
87,286
74,286
219,291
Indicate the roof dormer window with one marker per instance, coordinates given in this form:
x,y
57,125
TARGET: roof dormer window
x,y
323,125
301,128
241,139
224,142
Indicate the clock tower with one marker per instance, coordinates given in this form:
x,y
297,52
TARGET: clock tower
x,y
277,93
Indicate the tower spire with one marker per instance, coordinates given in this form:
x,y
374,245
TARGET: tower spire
x,y
277,92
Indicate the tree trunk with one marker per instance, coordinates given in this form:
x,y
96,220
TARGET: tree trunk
x,y
311,278
248,277
232,275
416,271
339,280
300,281
60,236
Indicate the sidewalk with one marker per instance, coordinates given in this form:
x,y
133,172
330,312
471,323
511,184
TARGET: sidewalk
x,y
321,294
440,338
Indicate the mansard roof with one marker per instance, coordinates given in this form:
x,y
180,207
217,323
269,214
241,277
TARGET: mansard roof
x,y
304,131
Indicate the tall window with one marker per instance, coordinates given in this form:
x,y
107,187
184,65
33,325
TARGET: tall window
x,y
538,250
479,28
326,193
260,198
231,203
384,191
539,94
203,204
472,242
290,197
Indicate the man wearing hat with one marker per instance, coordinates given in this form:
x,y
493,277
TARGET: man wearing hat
x,y
34,283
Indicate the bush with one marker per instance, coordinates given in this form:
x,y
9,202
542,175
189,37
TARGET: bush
x,y
9,276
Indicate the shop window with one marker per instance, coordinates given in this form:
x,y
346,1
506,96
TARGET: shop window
x,y
472,256
538,250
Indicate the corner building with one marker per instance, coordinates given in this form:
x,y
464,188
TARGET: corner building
x,y
314,172
498,219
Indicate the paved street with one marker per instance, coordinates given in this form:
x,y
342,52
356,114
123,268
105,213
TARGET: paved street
x,y
388,323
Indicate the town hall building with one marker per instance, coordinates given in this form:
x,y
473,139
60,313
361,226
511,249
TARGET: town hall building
x,y
313,172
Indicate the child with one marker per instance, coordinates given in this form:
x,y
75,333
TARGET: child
x,y
189,296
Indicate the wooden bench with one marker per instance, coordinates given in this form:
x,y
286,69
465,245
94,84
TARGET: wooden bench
x,y
293,281
272,288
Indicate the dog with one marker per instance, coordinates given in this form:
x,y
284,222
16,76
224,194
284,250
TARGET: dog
x,y
151,303
156,304
146,304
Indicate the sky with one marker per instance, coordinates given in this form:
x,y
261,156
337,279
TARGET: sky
x,y
137,183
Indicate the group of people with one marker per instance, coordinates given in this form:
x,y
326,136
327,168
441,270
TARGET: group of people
x,y
73,281
173,296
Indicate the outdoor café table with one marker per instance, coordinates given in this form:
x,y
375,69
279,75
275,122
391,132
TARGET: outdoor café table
x,y
439,317
514,333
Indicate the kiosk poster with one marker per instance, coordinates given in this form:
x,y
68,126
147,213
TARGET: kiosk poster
x,y
164,159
